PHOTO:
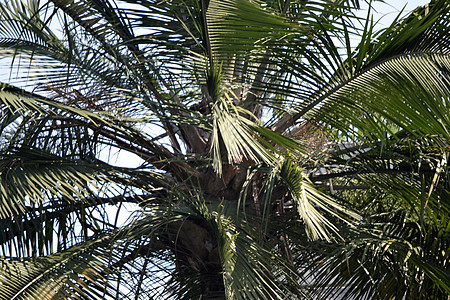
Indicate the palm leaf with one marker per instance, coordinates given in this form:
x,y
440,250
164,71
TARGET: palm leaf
x,y
74,273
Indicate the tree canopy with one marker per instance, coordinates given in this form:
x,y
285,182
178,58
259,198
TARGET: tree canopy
x,y
284,150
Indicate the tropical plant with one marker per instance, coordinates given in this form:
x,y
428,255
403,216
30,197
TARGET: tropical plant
x,y
282,149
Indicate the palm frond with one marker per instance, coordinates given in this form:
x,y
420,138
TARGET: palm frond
x,y
380,263
420,107
74,273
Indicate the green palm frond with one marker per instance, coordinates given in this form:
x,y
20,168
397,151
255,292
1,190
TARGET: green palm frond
x,y
28,178
419,37
308,199
381,263
420,108
23,22
16,99
253,56
230,130
74,273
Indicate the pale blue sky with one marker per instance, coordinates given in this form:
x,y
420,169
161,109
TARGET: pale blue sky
x,y
390,9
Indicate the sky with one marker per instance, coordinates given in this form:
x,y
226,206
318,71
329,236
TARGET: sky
x,y
389,10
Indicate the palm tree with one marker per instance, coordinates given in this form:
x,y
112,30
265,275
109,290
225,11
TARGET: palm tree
x,y
284,149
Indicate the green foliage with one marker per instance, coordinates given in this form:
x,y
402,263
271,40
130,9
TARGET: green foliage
x,y
274,158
